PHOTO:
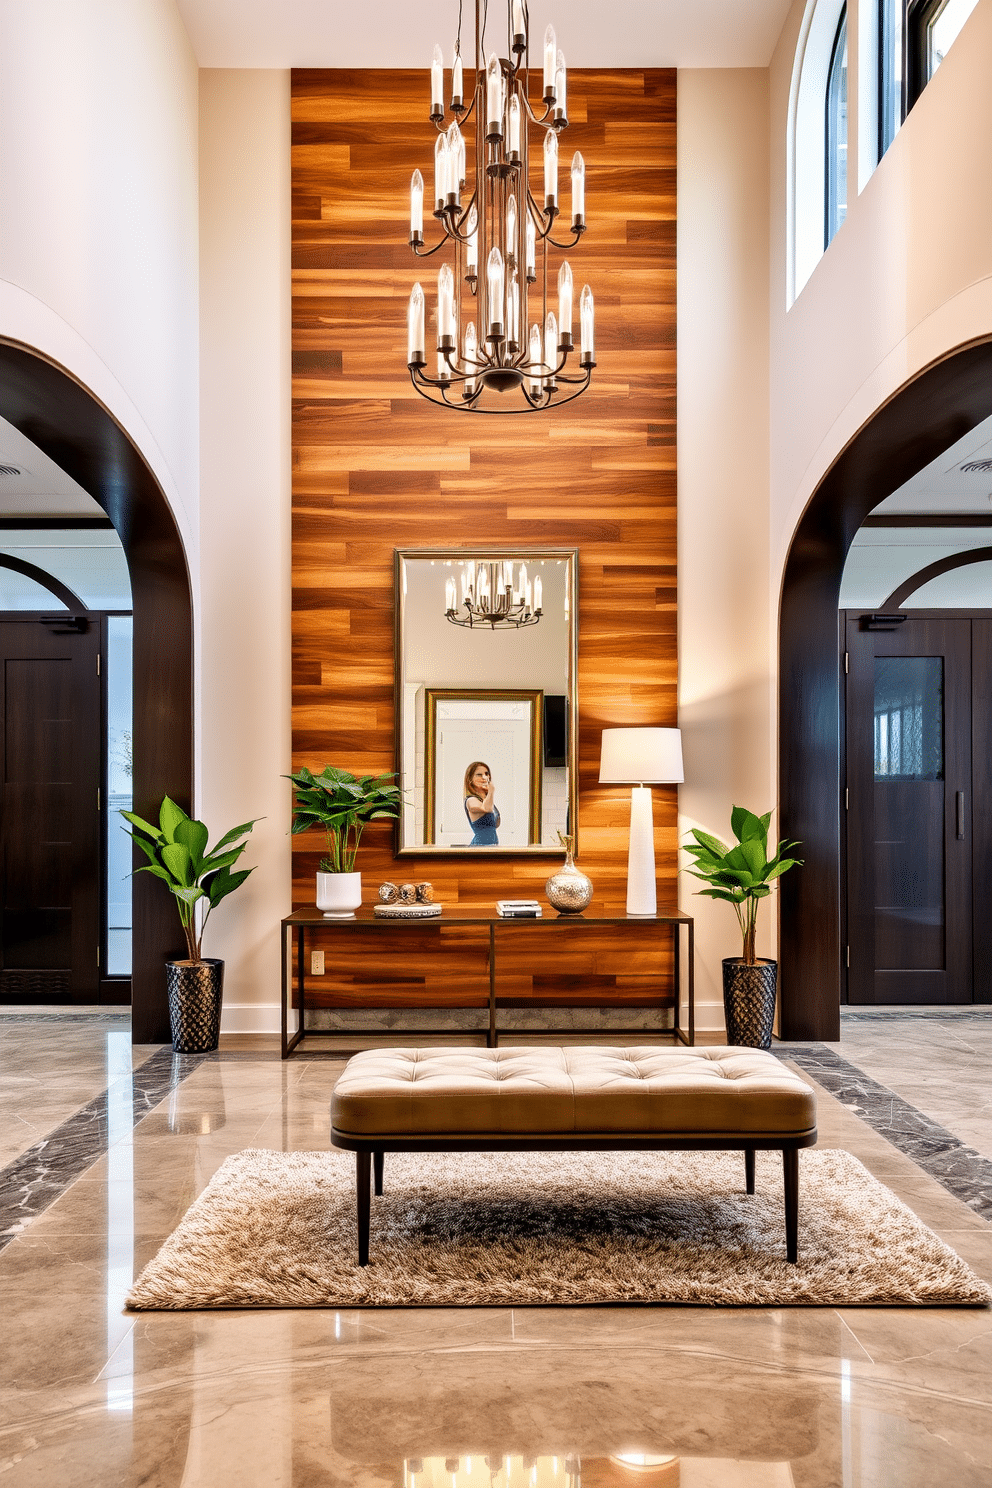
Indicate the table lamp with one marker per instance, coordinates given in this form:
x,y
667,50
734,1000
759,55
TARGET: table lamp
x,y
642,757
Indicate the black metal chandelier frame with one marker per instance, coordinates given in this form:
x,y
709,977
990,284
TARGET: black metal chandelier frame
x,y
502,362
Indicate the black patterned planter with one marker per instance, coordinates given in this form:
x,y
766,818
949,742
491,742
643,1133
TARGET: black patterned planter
x,y
196,990
749,1002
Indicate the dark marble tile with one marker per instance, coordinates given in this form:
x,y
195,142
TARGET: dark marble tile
x,y
964,1172
36,1178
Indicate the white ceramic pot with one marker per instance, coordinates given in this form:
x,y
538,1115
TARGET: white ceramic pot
x,y
339,895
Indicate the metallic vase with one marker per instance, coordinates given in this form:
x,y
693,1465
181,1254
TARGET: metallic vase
x,y
568,890
196,990
749,1002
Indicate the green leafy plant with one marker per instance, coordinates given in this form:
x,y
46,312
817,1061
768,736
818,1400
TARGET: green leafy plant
x,y
741,874
177,853
342,805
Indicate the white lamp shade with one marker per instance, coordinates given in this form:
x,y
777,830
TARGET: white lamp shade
x,y
642,756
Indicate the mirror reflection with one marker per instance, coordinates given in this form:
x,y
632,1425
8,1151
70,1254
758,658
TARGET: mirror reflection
x,y
486,699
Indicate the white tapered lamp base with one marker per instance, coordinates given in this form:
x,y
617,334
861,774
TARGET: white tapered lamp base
x,y
642,894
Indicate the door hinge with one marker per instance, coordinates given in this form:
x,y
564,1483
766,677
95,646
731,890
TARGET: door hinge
x,y
98,663
847,957
847,661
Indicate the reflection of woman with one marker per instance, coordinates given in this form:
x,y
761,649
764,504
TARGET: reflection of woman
x,y
479,805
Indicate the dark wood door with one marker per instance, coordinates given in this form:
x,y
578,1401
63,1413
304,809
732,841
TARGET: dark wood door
x,y
50,754
909,811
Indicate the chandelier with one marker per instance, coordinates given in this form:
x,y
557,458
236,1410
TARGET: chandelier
x,y
500,225
492,596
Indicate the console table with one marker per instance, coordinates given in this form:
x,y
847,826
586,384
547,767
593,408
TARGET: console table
x,y
497,929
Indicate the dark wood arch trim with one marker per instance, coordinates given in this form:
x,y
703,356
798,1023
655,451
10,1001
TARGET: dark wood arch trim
x,y
48,581
74,429
924,418
933,571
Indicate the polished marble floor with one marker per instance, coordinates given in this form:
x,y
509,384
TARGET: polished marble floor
x,y
750,1398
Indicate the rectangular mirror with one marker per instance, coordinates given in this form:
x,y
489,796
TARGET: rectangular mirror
x,y
486,702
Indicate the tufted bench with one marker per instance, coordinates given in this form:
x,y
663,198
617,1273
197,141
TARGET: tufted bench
x,y
571,1099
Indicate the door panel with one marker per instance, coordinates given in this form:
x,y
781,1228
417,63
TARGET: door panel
x,y
981,765
908,822
50,755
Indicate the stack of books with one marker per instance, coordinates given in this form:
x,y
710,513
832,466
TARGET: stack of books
x,y
518,909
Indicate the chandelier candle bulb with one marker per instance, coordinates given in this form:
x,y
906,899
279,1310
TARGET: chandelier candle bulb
x,y
550,63
450,596
416,208
472,246
565,305
456,166
536,385
513,312
437,84
513,130
531,250
538,594
561,81
511,229
578,191
440,173
494,100
471,357
415,328
443,370
457,87
519,26
496,281
587,321
550,170
445,308
551,342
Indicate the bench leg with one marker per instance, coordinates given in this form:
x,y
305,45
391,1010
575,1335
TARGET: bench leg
x,y
377,1158
749,1169
790,1164
363,1166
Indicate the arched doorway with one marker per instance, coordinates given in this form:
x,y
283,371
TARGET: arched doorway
x,y
76,431
920,421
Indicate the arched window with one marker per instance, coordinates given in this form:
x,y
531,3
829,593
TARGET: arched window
x,y
835,131
817,139
914,37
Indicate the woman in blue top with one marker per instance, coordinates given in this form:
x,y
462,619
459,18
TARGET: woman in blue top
x,y
480,809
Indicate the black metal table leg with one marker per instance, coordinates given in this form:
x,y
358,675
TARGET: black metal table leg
x,y
377,1160
492,1040
790,1164
749,1169
363,1172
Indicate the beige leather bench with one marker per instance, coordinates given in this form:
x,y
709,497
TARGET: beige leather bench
x,y
571,1099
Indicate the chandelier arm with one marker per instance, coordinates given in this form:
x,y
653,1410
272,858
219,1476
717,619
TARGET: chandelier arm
x,y
430,252
577,231
540,217
533,117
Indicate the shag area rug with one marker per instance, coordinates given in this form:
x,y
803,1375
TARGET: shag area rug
x,y
278,1229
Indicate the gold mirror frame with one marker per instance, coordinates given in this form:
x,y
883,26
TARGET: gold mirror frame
x,y
535,697
441,556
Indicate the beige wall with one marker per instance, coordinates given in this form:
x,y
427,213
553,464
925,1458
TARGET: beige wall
x,y
243,646
725,604
98,242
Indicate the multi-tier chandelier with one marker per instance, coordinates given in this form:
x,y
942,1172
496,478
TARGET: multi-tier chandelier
x,y
501,225
491,594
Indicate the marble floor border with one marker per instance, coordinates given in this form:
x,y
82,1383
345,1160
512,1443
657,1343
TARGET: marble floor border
x,y
964,1172
975,1012
32,1015
39,1176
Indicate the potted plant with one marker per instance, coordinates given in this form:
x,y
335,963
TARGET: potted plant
x,y
742,875
177,853
342,805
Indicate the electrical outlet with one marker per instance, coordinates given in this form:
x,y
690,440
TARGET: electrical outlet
x,y
316,963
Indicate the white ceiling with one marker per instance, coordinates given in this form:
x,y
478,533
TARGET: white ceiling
x,y
42,489
402,33
943,486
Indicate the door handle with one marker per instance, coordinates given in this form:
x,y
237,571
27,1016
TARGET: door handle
x,y
959,808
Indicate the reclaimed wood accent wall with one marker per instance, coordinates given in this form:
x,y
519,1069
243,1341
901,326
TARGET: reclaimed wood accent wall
x,y
376,467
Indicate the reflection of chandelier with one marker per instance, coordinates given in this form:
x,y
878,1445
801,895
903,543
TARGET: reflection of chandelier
x,y
491,596
503,228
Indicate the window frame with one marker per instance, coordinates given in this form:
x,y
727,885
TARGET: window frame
x,y
831,174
